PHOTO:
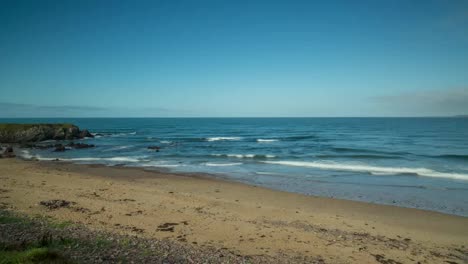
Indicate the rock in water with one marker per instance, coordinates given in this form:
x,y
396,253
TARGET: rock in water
x,y
23,133
59,148
79,145
85,134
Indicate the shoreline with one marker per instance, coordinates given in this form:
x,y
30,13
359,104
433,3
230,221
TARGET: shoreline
x,y
247,219
167,172
223,177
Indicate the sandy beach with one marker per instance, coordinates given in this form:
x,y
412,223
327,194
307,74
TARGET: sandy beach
x,y
247,220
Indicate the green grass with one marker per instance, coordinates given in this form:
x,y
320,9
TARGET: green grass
x,y
124,242
32,255
7,219
60,225
102,242
10,219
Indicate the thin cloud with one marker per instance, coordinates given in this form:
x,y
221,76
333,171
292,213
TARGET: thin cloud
x,y
429,103
14,110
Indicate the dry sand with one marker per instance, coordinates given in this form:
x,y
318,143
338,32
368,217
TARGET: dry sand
x,y
245,219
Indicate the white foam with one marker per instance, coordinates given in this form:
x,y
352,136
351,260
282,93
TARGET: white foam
x,y
39,157
266,140
375,170
122,134
244,156
266,173
223,139
25,154
159,164
165,142
241,156
112,159
221,164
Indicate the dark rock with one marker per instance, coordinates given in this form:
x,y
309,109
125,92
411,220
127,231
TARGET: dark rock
x,y
26,133
8,153
59,148
34,146
80,145
85,134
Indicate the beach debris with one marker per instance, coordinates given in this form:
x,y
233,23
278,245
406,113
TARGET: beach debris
x,y
8,153
381,259
55,204
167,227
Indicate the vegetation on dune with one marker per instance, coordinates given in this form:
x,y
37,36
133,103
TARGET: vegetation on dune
x,y
32,255
18,127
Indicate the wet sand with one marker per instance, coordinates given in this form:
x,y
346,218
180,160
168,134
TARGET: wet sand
x,y
247,220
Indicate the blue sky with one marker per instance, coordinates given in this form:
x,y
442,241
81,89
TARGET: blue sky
x,y
233,58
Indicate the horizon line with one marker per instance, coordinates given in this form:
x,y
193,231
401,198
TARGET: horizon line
x,y
233,117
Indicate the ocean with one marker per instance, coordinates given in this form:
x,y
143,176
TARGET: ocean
x,y
410,162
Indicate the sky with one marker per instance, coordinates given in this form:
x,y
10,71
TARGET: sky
x,y
204,58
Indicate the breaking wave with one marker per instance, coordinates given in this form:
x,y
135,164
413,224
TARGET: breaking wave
x,y
211,139
374,170
245,156
260,140
209,164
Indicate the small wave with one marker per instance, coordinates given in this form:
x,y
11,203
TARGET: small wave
x,y
452,156
112,159
358,156
210,139
375,170
165,142
159,164
300,137
260,140
245,156
120,134
112,134
266,173
221,164
359,150
118,148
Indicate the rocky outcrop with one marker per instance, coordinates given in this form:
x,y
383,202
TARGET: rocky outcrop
x,y
24,133
71,145
59,148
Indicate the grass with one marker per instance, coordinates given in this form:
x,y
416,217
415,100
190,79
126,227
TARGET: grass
x,y
102,242
60,225
31,255
7,219
43,250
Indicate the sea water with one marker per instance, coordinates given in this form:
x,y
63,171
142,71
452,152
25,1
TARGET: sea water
x,y
410,162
